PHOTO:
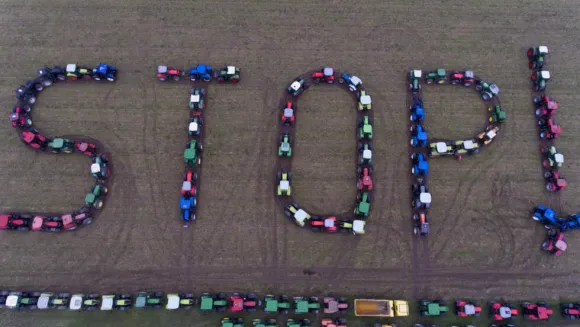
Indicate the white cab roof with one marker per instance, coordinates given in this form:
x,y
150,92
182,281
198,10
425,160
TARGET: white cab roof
x,y
76,302
288,112
71,68
231,70
417,73
365,99
559,158
193,126
43,301
441,147
284,185
328,223
295,86
328,71
468,144
425,197
543,49
545,74
162,69
367,154
186,186
106,303
172,302
300,215
194,98
358,226
469,73
12,301
355,80
95,168
491,134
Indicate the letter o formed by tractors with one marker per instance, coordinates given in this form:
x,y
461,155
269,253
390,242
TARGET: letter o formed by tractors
x,y
100,167
350,222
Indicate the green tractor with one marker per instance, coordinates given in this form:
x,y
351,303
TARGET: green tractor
x,y
58,145
433,308
297,323
488,91
95,197
191,155
150,300
264,323
540,78
228,74
497,114
365,128
273,304
438,76
232,322
304,305
363,206
415,80
285,148
213,302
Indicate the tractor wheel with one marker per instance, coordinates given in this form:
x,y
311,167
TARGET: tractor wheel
x,y
534,76
532,64
415,217
429,81
538,112
454,82
98,204
467,84
486,96
87,221
31,100
162,79
543,135
72,228
549,187
235,80
28,122
105,190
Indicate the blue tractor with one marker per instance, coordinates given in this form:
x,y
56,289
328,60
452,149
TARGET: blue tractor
x,y
418,136
572,222
417,110
187,203
202,72
104,71
354,83
420,164
546,216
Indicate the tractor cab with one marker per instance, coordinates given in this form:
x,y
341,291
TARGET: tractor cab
x,y
285,146
193,127
296,86
367,154
172,302
544,75
194,98
95,169
107,302
76,302
44,301
328,72
13,300
425,198
505,312
71,70
301,216
285,185
364,101
288,113
358,227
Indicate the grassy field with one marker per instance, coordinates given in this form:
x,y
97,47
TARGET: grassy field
x,y
482,244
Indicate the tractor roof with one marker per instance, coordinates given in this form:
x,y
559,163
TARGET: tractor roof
x,y
186,186
12,300
491,134
296,85
425,197
468,144
58,142
423,165
43,300
284,185
301,215
365,99
367,154
559,158
95,168
367,128
422,136
354,80
107,302
71,68
545,74
469,309
469,74
364,207
76,302
161,69
328,222
194,98
193,126
441,72
505,312
441,147
288,112
417,73
358,226
542,49
172,301
328,71
285,146
231,70
494,88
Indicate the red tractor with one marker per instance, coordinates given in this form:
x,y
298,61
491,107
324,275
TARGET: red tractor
x,y
556,243
467,308
502,311
467,78
20,117
15,222
85,148
338,322
288,116
571,310
32,138
549,129
320,223
334,305
164,73
47,224
239,303
326,74
536,311
365,182
188,186
546,106
555,182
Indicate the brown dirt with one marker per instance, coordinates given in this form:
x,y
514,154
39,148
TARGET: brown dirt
x,y
481,241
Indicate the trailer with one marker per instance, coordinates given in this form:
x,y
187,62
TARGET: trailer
x,y
380,308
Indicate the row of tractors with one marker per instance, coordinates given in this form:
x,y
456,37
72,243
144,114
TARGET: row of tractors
x,y
364,157
335,307
193,148
100,168
421,148
544,109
